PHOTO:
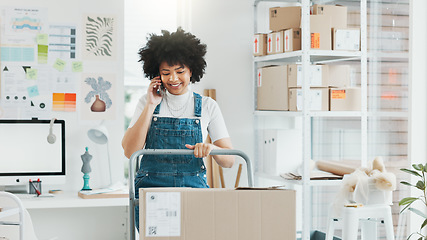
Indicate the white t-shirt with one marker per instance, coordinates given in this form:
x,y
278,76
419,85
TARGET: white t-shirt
x,y
212,119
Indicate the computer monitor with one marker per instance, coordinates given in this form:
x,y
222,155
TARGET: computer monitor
x,y
25,152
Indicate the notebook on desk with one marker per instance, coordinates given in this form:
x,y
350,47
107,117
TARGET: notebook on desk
x,y
104,193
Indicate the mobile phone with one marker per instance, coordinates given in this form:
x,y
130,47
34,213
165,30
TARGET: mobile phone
x,y
161,88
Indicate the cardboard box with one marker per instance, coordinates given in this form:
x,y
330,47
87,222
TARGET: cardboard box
x,y
260,44
292,39
338,14
320,28
282,18
282,150
345,99
346,39
217,214
275,42
319,75
272,88
339,76
318,101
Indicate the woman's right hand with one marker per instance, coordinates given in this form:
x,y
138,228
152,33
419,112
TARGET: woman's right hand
x,y
155,92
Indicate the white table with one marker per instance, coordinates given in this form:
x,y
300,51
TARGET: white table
x,y
68,217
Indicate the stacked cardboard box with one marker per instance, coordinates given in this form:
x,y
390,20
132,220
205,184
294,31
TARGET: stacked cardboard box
x,y
279,88
318,94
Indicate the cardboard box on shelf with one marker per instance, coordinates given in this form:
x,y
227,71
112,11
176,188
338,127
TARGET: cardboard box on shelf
x,y
319,75
292,39
339,76
282,150
271,44
338,14
260,44
272,88
345,99
318,99
282,18
320,28
226,214
346,39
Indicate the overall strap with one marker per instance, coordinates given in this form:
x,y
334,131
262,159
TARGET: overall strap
x,y
197,105
157,110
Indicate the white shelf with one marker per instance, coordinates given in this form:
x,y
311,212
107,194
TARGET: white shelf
x,y
316,56
331,114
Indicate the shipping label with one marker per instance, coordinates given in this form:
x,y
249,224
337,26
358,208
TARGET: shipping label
x,y
259,77
270,39
287,41
315,40
279,42
338,94
163,214
256,44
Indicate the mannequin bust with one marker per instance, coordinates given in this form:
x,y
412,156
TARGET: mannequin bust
x,y
86,157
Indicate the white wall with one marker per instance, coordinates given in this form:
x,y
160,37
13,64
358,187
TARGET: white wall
x,y
72,12
227,28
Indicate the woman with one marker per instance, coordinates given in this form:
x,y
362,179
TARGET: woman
x,y
171,116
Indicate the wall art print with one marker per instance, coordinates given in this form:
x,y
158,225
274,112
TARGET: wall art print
x,y
99,37
98,96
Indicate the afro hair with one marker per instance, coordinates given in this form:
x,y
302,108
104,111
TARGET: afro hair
x,y
174,48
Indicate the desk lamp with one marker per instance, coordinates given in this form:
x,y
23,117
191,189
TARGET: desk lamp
x,y
99,135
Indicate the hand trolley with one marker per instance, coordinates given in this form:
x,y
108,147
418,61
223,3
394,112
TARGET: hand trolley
x,y
134,201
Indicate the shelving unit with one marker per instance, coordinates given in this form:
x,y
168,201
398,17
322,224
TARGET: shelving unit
x,y
305,57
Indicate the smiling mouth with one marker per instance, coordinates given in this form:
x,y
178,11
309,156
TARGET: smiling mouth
x,y
175,85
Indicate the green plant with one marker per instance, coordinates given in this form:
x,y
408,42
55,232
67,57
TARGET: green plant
x,y
420,171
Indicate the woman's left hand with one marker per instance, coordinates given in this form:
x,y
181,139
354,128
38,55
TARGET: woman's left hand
x,y
201,150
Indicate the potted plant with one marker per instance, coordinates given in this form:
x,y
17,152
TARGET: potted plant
x,y
420,171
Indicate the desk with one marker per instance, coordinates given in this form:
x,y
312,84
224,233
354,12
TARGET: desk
x,y
68,217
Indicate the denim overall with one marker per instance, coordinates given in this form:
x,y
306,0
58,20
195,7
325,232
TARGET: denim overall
x,y
172,170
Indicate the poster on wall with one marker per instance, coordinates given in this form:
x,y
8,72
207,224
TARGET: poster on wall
x,y
98,97
99,37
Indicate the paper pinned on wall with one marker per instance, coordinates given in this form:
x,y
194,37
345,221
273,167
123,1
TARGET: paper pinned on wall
x,y
62,42
59,64
64,102
99,37
31,74
77,66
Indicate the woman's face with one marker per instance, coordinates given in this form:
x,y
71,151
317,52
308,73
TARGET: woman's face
x,y
175,78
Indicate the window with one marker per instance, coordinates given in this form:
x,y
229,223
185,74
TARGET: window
x,y
142,17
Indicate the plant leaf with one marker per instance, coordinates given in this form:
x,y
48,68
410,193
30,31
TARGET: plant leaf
x,y
418,167
407,200
411,172
406,183
418,212
420,185
424,224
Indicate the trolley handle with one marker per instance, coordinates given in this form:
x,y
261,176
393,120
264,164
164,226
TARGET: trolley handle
x,y
136,154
